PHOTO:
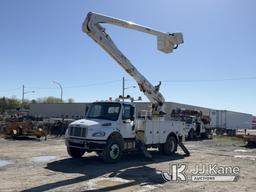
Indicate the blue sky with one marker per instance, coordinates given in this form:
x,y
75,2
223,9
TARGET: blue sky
x,y
42,41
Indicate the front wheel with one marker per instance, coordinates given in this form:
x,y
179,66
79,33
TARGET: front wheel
x,y
204,135
170,146
113,151
191,134
75,152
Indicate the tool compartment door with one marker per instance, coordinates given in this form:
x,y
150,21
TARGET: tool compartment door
x,y
156,131
148,132
163,126
144,131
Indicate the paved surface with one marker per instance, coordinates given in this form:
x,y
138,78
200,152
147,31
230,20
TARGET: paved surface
x,y
31,165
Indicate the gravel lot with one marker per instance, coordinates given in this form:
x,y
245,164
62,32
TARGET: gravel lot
x,y
30,165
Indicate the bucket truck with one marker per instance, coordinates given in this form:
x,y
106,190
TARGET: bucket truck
x,y
197,125
111,128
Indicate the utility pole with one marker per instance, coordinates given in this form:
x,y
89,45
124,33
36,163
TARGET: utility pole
x,y
23,93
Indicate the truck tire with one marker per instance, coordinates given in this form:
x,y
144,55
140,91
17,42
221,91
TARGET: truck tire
x,y
217,131
234,132
191,134
113,151
204,135
161,148
75,152
170,146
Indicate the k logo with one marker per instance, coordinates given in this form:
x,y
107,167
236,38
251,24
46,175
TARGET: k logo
x,y
176,173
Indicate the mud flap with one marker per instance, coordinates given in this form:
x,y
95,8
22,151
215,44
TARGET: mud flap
x,y
182,146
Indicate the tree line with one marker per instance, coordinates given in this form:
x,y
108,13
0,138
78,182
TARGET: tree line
x,y
14,103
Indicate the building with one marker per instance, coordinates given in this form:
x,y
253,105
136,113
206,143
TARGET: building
x,y
78,110
55,110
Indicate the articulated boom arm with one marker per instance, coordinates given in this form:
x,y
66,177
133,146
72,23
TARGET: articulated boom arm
x,y
166,42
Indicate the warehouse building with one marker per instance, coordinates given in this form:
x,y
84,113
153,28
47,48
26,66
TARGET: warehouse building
x,y
56,110
78,110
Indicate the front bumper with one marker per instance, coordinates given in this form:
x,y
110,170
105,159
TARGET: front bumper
x,y
88,144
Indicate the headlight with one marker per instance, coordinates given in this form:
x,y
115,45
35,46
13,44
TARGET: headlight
x,y
99,134
66,133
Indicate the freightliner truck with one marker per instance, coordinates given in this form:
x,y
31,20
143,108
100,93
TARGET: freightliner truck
x,y
111,128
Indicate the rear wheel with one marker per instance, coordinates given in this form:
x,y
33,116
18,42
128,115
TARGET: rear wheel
x,y
161,148
75,152
170,146
113,151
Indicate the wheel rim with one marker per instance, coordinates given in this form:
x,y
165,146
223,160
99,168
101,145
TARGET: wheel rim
x,y
172,145
114,151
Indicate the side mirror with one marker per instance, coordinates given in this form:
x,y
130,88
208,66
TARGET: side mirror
x,y
132,118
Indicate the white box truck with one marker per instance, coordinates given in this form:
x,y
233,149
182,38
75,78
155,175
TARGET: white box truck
x,y
227,122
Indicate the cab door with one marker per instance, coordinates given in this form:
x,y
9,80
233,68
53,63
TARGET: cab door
x,y
128,125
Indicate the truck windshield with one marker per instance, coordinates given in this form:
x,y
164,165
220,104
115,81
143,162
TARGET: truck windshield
x,y
108,111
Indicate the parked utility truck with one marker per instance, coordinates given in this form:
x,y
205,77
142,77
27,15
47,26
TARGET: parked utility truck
x,y
197,125
111,128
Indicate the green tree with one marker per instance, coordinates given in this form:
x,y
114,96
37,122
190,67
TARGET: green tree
x,y
49,99
26,104
9,103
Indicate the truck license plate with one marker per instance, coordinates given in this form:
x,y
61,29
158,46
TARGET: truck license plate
x,y
76,141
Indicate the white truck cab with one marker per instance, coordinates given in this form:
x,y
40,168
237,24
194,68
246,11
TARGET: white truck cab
x,y
104,118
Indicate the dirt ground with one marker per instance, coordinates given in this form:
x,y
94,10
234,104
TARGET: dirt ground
x,y
30,165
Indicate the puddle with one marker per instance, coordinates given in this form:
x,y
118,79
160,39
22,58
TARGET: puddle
x,y
43,158
147,188
249,157
241,150
5,162
93,184
103,182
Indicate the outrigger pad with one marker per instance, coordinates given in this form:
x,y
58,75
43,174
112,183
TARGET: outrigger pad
x,y
144,150
182,146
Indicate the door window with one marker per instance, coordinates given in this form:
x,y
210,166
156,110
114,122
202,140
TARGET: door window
x,y
126,112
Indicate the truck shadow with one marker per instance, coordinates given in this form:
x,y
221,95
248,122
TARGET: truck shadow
x,y
133,167
250,145
21,138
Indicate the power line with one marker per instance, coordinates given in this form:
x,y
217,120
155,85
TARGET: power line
x,y
203,80
93,84
77,86
34,87
115,81
210,80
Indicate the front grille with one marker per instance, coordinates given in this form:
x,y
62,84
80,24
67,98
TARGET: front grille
x,y
77,131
